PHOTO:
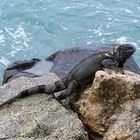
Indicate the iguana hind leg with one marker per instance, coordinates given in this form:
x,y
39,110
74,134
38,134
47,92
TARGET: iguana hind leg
x,y
72,85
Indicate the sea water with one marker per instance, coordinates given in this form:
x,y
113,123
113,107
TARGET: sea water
x,y
38,28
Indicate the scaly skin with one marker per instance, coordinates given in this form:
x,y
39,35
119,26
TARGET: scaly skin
x,y
82,73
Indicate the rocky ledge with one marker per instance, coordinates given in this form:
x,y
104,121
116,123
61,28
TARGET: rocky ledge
x,y
109,109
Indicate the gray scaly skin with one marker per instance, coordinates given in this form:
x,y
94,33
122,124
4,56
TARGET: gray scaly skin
x,y
83,73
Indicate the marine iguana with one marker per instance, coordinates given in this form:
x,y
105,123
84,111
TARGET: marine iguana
x,y
83,73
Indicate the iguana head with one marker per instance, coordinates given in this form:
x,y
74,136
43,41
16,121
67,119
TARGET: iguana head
x,y
122,52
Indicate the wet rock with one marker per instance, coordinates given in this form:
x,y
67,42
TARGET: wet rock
x,y
60,63
39,116
110,107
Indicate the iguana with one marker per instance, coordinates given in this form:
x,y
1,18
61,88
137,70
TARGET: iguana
x,y
83,73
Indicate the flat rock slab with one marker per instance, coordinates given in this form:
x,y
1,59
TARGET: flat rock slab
x,y
39,116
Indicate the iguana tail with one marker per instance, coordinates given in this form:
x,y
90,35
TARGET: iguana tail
x,y
48,89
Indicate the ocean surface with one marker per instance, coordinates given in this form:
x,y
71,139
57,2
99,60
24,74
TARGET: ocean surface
x,y
38,28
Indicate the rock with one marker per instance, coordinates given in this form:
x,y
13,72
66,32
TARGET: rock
x,y
126,123
39,116
110,108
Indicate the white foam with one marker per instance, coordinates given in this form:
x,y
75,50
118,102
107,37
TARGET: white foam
x,y
89,30
64,27
69,7
19,35
90,36
138,7
122,39
98,31
4,61
135,21
1,31
2,39
11,4
12,53
116,20
103,40
107,26
15,50
1,13
89,43
128,11
125,39
109,18
20,39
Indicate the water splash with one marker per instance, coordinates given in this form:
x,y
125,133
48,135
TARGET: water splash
x,y
4,61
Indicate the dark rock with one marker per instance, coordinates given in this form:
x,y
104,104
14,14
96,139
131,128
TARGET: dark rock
x,y
61,63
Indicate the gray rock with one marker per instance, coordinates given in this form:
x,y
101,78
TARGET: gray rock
x,y
39,116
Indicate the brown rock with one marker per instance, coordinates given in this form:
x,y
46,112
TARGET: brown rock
x,y
110,108
127,123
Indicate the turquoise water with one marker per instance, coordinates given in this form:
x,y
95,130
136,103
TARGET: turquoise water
x,y
38,28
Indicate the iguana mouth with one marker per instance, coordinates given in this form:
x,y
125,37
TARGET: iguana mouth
x,y
132,50
129,48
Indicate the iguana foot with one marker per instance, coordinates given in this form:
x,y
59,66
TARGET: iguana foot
x,y
66,93
52,97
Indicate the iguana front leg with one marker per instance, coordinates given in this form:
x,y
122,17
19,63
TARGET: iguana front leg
x,y
112,64
71,87
109,63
